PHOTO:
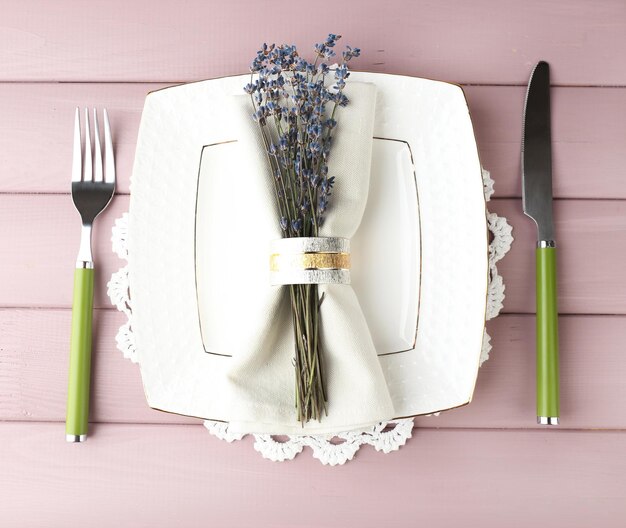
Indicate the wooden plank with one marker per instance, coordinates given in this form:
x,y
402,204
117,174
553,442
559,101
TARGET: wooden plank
x,y
593,384
170,41
589,133
34,366
33,374
160,476
591,240
40,234
37,127
588,139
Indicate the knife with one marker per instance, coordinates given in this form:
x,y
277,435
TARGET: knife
x,y
537,202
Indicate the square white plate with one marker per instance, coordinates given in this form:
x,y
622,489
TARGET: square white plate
x,y
422,245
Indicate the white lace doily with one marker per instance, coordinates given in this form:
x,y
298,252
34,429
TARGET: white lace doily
x,y
328,449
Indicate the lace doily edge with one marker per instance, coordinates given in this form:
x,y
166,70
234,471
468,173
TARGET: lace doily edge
x,y
334,449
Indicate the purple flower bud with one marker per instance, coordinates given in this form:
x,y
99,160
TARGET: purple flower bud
x,y
296,225
320,49
259,116
322,204
332,39
341,99
314,130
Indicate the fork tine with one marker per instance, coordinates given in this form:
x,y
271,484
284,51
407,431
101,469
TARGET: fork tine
x,y
97,149
88,159
77,154
108,150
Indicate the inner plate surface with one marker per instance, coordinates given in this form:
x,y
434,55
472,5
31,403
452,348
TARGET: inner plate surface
x,y
385,250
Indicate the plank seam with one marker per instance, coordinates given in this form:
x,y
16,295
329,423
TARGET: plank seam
x,y
493,198
469,84
420,427
9,308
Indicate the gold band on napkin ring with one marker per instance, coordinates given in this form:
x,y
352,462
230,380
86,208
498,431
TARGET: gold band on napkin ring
x,y
310,260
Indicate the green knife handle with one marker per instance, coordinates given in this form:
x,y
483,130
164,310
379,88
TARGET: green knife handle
x,y
547,337
80,356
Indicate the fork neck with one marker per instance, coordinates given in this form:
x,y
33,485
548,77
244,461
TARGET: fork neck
x,y
85,258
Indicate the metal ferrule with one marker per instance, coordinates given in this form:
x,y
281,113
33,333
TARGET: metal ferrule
x,y
85,258
548,420
75,438
546,244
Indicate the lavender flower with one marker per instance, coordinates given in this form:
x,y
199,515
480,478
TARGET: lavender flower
x,y
295,102
296,225
332,39
351,53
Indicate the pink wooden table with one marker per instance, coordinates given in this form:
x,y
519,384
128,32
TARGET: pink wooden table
x,y
483,465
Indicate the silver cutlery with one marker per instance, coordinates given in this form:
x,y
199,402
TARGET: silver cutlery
x,y
537,202
93,186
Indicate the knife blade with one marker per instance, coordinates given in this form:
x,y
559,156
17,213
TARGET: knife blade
x,y
537,204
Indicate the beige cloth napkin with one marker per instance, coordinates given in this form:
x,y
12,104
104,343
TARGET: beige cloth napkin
x,y
260,382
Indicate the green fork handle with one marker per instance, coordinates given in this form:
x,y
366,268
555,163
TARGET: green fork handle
x,y
547,338
80,356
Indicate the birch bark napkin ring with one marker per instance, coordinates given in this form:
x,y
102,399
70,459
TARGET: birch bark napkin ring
x,y
310,260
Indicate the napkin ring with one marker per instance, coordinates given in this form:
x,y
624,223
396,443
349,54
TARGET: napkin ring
x,y
310,260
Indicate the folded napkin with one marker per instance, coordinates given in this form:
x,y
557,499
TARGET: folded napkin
x,y
254,325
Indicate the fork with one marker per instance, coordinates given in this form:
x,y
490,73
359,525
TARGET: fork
x,y
92,190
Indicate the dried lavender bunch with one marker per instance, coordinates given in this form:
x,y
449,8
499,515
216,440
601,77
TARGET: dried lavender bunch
x,y
295,103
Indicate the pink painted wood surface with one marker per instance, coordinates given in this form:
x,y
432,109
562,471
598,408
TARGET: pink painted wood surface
x,y
440,478
33,373
591,239
44,231
489,465
588,139
33,370
470,42
42,164
589,135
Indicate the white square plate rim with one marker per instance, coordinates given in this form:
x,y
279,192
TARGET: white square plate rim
x,y
135,197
